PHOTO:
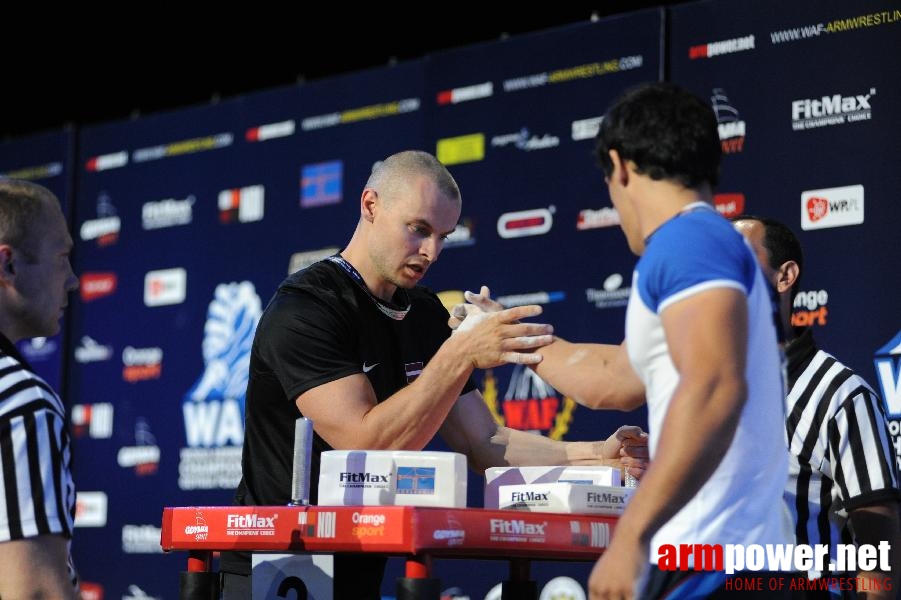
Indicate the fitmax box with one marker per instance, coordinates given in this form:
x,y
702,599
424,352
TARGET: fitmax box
x,y
392,478
575,498
498,476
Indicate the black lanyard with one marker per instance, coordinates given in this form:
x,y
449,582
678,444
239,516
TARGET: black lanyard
x,y
397,314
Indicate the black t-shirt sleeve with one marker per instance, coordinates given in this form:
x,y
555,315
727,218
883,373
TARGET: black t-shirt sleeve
x,y
306,341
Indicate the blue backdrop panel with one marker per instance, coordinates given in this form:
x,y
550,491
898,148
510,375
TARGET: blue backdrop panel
x,y
809,122
515,121
46,159
187,223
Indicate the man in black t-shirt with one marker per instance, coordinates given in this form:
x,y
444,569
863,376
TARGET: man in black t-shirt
x,y
356,345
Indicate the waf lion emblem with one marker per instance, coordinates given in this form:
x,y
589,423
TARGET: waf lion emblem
x,y
530,404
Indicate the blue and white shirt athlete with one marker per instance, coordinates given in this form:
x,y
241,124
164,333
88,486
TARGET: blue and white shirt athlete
x,y
694,252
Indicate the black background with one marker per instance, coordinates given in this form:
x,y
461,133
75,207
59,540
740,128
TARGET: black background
x,y
105,66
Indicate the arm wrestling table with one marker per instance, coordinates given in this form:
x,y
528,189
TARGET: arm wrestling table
x,y
417,533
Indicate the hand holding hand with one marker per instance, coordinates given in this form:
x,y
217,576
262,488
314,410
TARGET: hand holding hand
x,y
475,306
629,444
496,338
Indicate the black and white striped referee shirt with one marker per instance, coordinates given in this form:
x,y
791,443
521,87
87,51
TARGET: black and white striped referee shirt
x,y
37,494
841,453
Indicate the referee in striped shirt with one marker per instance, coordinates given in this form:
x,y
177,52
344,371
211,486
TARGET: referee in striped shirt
x,y
37,495
843,483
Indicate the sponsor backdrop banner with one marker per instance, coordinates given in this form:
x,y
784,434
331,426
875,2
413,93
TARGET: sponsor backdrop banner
x,y
188,222
185,222
809,124
46,159
515,123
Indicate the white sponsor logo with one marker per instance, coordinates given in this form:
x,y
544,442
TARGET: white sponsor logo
x,y
112,160
90,509
96,419
525,141
531,298
136,593
836,109
466,93
165,287
302,260
245,204
724,47
141,539
167,213
271,130
537,221
96,228
142,356
586,129
612,294
461,235
832,207
594,219
517,527
132,456
38,348
250,524
91,351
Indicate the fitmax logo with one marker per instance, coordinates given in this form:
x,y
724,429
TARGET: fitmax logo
x,y
530,496
606,498
888,371
251,521
364,477
518,527
830,105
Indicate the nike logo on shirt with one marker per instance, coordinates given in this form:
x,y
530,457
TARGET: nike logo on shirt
x,y
368,368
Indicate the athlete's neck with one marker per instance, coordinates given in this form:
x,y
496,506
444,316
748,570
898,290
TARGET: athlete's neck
x,y
384,290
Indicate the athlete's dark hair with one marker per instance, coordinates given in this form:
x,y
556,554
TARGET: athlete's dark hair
x,y
781,244
666,131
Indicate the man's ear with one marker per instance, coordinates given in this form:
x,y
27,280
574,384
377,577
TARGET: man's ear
x,y
7,270
620,173
787,275
368,202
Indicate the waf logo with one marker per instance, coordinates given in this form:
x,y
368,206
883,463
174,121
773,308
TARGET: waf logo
x,y
888,370
887,361
530,404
